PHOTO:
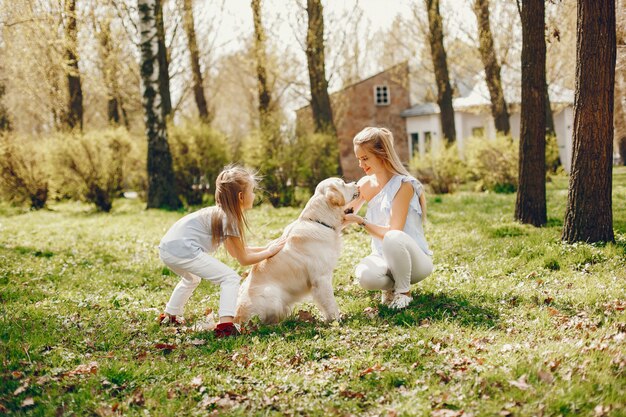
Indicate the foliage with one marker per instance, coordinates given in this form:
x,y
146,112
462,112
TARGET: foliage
x,y
534,327
442,169
276,155
493,163
199,153
23,171
553,161
319,158
98,166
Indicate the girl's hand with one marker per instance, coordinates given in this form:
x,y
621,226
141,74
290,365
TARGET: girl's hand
x,y
275,246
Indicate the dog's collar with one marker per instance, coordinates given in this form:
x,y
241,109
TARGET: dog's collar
x,y
322,223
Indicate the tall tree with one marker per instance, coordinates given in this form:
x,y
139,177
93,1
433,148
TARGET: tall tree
x,y
265,95
320,100
589,215
530,206
161,183
74,115
164,72
620,81
440,65
194,56
499,109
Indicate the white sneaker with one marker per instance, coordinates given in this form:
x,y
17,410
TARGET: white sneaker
x,y
400,301
386,297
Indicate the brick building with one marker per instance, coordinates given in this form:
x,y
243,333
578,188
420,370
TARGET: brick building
x,y
375,101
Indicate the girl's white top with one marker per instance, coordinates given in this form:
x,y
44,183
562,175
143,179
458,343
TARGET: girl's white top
x,y
192,234
379,212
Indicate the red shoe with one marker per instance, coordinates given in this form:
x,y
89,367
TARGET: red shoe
x,y
223,330
167,319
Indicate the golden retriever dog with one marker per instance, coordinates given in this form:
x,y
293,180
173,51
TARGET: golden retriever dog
x,y
304,267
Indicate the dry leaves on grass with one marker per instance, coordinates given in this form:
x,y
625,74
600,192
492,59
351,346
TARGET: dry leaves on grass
x,y
371,369
521,383
84,369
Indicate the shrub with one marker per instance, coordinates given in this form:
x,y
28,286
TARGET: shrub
x,y
553,161
493,163
23,171
442,169
277,156
199,153
97,166
319,158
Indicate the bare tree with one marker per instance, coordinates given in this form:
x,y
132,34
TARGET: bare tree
x,y
161,183
589,214
194,56
320,100
440,64
164,72
499,108
530,206
265,95
74,115
620,81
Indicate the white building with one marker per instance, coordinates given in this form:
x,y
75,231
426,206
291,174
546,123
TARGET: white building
x,y
472,117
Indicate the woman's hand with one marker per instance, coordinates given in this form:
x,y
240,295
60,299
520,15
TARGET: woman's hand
x,y
275,246
352,218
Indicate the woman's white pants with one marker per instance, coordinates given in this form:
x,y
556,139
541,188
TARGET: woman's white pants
x,y
403,263
191,271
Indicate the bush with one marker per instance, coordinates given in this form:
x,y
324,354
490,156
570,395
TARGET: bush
x,y
98,166
493,163
23,171
442,169
553,161
199,153
278,158
319,158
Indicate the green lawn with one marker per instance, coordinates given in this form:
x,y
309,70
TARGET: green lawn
x,y
512,322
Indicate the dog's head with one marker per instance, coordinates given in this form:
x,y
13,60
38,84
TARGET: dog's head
x,y
337,192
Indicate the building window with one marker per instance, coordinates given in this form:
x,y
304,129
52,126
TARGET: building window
x,y
478,132
415,144
381,95
427,141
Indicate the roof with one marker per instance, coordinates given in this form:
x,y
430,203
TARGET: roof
x,y
479,96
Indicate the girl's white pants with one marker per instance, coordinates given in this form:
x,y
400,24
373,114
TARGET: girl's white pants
x,y
403,263
191,272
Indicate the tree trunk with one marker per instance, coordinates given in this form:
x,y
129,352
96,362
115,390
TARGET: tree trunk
x,y
530,206
499,109
265,95
589,216
620,82
74,116
164,72
110,67
440,64
161,183
320,100
194,55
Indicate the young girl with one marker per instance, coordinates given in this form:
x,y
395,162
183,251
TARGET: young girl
x,y
186,246
395,211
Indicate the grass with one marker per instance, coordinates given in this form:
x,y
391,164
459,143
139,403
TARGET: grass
x,y
511,322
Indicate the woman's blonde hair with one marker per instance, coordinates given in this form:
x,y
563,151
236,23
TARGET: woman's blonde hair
x,y
379,141
234,179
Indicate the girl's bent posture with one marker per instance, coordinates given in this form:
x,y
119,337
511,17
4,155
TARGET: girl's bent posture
x,y
396,208
186,246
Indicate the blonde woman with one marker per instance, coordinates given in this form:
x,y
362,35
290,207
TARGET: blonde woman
x,y
396,210
186,246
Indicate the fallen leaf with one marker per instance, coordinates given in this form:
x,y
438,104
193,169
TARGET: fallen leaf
x,y
196,382
17,374
164,346
545,376
21,389
521,383
601,410
548,300
84,369
371,369
28,402
305,316
553,311
371,312
198,342
351,394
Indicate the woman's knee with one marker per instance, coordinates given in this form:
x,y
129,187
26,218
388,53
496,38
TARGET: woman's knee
x,y
393,238
367,277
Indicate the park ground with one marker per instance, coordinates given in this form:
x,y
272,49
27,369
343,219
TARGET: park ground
x,y
512,322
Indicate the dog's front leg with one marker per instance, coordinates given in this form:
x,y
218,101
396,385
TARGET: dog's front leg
x,y
322,292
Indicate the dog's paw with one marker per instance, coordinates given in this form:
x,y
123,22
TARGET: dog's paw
x,y
400,301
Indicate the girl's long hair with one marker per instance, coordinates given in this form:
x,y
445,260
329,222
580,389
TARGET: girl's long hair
x,y
233,180
379,141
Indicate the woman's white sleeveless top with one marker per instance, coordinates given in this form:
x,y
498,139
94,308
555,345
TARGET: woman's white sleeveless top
x,y
379,212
